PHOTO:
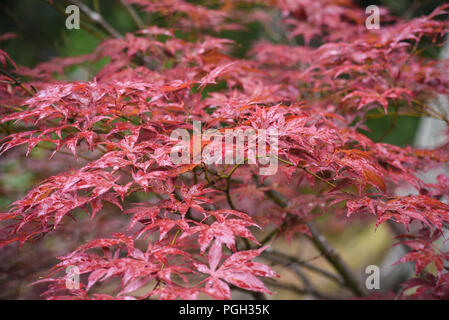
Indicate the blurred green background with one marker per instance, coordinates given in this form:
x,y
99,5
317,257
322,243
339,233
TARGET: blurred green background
x,y
41,35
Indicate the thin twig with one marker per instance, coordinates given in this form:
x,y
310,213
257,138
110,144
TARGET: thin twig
x,y
254,294
331,255
335,260
17,82
426,107
392,126
97,18
308,171
285,260
286,286
309,286
86,26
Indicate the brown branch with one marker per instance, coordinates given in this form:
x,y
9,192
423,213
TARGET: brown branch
x,y
308,285
228,194
335,260
428,109
286,286
309,172
86,26
331,255
17,82
308,290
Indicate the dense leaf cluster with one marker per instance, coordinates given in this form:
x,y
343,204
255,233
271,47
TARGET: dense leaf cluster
x,y
196,234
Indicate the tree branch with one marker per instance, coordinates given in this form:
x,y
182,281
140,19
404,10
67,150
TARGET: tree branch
x,y
335,260
97,18
286,286
133,14
17,82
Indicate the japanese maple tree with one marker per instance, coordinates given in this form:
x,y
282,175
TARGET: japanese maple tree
x,y
207,229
